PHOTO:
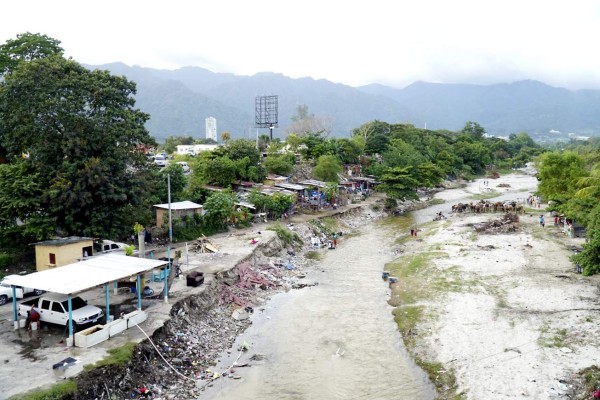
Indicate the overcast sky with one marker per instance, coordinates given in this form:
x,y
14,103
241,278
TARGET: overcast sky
x,y
352,42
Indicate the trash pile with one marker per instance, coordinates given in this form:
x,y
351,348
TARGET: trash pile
x,y
250,280
505,224
204,245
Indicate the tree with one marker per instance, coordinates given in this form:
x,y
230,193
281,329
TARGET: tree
x,y
304,123
240,148
219,206
172,142
559,174
178,183
398,183
473,130
225,137
280,164
263,142
82,134
27,47
327,169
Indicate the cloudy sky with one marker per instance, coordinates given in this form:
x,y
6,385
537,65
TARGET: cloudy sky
x,y
352,42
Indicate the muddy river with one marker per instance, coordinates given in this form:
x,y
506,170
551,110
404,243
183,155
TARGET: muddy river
x,y
337,340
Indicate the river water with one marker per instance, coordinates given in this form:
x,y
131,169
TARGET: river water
x,y
303,332
337,340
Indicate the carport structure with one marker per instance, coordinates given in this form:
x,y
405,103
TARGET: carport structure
x,y
84,275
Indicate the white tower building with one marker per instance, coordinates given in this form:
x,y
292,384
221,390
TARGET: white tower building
x,y
211,128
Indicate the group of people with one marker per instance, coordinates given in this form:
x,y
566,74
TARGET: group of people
x,y
533,200
315,241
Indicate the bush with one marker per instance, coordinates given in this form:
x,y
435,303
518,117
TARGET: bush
x,y
286,236
390,204
5,260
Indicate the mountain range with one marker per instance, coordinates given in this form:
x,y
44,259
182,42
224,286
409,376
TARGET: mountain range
x,y
178,102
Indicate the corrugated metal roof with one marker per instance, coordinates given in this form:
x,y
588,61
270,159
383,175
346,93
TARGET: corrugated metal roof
x,y
63,241
84,275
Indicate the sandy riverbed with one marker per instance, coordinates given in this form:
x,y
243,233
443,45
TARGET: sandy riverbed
x,y
504,312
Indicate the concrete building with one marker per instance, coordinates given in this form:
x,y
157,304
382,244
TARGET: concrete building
x,y
211,128
194,149
58,252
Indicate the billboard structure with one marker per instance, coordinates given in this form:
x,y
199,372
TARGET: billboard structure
x,y
266,112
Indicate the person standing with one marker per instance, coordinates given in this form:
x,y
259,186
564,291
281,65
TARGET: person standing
x,y
334,240
542,223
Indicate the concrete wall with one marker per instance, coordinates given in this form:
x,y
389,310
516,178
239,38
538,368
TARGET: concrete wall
x,y
64,254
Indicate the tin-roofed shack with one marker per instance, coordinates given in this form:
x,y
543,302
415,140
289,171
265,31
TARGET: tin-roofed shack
x,y
62,251
178,210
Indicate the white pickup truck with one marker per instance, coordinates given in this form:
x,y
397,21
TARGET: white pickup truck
x,y
53,308
6,292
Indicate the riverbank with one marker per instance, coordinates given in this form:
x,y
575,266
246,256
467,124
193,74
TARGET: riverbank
x,y
188,338
498,312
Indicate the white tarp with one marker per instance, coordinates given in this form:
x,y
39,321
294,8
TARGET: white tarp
x,y
84,275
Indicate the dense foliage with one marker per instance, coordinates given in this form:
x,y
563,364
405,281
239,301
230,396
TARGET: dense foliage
x,y
71,138
570,181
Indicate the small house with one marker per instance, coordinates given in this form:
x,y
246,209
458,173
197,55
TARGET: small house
x,y
62,251
178,210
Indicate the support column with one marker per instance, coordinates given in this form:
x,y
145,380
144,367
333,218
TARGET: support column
x,y
139,293
14,301
107,302
70,322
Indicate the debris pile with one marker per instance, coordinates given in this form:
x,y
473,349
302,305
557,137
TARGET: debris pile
x,y
503,185
250,280
204,245
507,223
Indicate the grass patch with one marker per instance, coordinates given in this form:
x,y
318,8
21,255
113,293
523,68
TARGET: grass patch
x,y
117,356
287,236
313,255
407,318
591,377
556,339
435,202
559,338
59,391
485,196
443,379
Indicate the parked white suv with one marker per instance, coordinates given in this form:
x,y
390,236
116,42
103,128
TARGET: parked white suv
x,y
6,292
185,166
160,160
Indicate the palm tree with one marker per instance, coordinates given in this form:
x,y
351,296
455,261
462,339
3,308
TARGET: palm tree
x,y
590,185
225,137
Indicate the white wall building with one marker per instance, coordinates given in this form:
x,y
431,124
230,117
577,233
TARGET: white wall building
x,y
211,128
195,149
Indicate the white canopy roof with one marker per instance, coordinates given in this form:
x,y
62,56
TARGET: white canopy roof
x,y
180,205
84,275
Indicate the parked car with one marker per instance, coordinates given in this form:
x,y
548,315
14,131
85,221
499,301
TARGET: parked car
x,y
185,166
106,246
6,292
160,160
53,308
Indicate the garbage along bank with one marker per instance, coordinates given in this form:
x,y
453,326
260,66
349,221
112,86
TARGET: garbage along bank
x,y
179,357
200,328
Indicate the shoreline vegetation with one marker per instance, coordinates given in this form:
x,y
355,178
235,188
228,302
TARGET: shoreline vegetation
x,y
493,298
